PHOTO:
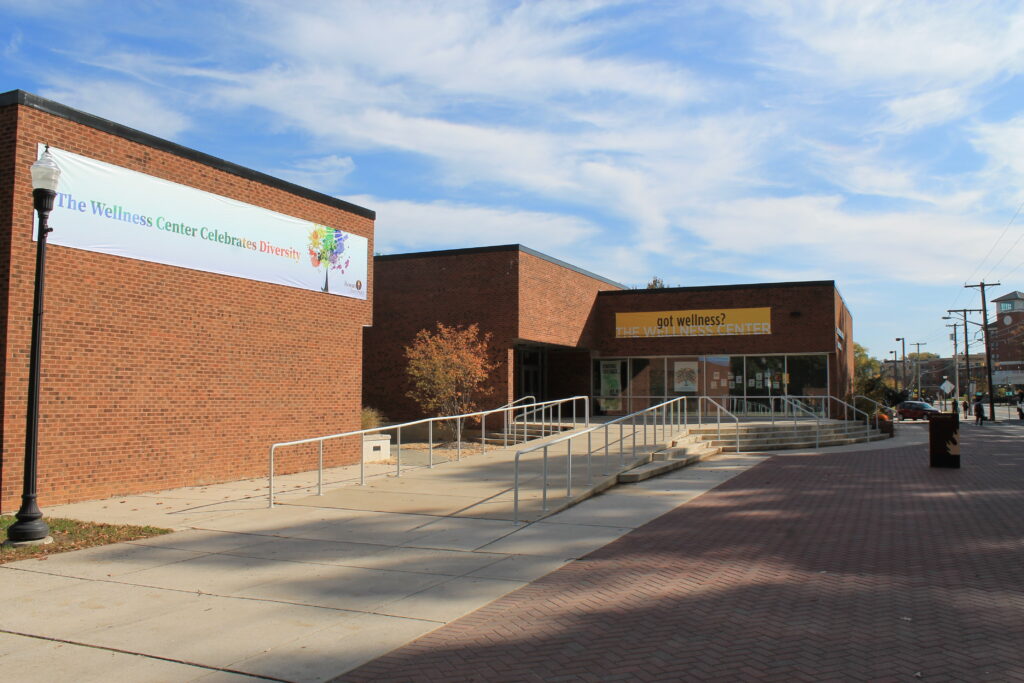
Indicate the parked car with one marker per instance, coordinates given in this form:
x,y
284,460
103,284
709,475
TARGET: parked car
x,y
916,410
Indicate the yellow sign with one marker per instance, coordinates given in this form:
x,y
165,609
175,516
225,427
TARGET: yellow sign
x,y
712,322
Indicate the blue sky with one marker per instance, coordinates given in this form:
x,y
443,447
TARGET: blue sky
x,y
879,144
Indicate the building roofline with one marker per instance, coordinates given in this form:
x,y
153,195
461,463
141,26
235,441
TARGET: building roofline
x,y
497,248
27,99
1012,296
705,288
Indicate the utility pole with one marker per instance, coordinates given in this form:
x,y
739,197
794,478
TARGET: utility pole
x,y
956,367
903,341
895,372
917,365
988,350
967,343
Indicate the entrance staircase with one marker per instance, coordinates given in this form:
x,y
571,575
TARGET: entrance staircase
x,y
703,441
764,436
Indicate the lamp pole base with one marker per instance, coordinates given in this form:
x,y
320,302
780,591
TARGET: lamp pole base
x,y
18,544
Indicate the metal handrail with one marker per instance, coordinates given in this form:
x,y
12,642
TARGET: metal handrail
x,y
867,418
669,412
817,421
533,399
720,408
504,434
888,410
588,431
428,420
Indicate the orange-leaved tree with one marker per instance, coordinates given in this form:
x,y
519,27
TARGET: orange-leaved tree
x,y
448,368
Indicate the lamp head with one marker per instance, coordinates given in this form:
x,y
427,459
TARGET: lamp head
x,y
45,173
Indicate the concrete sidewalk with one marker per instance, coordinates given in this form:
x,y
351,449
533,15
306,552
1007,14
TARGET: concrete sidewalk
x,y
304,591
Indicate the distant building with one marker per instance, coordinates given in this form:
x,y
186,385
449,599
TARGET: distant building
x,y
1007,340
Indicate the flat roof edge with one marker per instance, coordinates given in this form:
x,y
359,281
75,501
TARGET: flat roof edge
x,y
705,288
27,99
496,248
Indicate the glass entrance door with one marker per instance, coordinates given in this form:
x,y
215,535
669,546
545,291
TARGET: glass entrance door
x,y
531,373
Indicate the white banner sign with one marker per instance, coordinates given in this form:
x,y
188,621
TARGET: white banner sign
x,y
112,210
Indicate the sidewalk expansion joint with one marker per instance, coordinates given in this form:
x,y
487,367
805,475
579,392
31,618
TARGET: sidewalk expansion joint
x,y
201,593
185,662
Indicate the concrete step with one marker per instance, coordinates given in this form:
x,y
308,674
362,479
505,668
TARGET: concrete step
x,y
762,439
826,427
729,446
666,461
677,450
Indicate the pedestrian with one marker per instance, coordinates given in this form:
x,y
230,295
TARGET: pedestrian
x,y
967,410
979,413
1020,410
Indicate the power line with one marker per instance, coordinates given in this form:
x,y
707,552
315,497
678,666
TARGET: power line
x,y
991,249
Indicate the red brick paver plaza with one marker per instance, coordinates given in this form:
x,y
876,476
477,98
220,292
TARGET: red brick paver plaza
x,y
866,566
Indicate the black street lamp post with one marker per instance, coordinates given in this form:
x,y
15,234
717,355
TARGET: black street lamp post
x,y
30,527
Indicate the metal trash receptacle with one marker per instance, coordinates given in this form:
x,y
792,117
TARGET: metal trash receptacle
x,y
944,440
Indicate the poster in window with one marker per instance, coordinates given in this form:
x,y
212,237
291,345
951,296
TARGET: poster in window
x,y
611,384
685,377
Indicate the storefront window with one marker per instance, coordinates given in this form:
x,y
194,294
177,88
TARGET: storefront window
x,y
744,385
646,382
611,380
808,375
717,372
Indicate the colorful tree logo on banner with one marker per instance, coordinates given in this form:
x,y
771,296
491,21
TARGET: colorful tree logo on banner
x,y
327,251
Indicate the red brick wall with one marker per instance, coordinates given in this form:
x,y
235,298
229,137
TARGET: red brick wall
x,y
842,370
416,292
155,376
8,130
555,302
516,296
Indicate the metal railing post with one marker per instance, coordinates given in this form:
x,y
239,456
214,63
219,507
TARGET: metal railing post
x,y
398,453
568,469
606,468
544,482
270,483
483,433
320,471
430,445
458,437
634,436
515,490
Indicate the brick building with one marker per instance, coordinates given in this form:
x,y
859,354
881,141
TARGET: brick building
x,y
156,375
560,331
1007,341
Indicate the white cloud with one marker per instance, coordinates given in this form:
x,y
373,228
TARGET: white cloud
x,y
908,114
437,49
887,47
1003,143
325,174
415,226
127,104
816,233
